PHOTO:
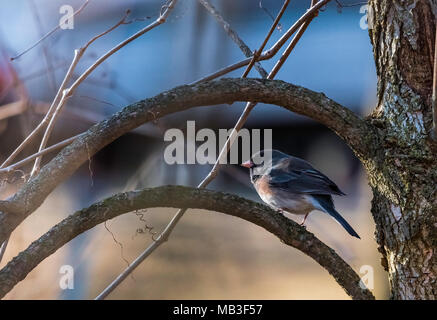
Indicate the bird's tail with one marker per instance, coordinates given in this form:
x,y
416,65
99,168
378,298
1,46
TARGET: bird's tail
x,y
328,206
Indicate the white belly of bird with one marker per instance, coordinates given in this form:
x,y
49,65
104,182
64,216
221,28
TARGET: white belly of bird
x,y
300,205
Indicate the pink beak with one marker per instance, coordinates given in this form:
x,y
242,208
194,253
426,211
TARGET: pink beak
x,y
247,164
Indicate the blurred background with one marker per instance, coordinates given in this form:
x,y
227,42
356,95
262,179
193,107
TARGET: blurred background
x,y
210,255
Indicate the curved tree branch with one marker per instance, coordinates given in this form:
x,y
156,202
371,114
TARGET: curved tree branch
x,y
285,229
354,130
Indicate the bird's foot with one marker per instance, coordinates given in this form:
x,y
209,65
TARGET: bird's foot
x,y
303,221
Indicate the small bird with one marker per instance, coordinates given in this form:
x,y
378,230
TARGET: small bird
x,y
291,184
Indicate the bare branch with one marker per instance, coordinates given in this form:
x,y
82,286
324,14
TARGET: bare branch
x,y
45,151
274,49
266,39
355,131
48,34
285,229
233,35
58,102
250,105
66,94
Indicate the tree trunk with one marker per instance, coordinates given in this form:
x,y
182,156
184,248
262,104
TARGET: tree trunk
x,y
402,169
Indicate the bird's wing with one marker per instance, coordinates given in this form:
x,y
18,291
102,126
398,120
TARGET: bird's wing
x,y
299,176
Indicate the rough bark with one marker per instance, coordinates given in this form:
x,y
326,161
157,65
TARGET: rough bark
x,y
403,173
285,229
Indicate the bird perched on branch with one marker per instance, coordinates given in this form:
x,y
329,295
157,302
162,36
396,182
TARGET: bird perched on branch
x,y
292,184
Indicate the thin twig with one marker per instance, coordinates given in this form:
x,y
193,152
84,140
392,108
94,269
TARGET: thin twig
x,y
341,5
56,101
23,162
64,94
233,35
249,106
273,50
260,4
163,237
266,39
292,45
45,151
70,91
48,34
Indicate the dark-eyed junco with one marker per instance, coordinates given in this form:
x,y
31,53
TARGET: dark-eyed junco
x,y
291,184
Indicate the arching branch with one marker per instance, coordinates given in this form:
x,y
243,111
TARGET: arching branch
x,y
355,131
285,229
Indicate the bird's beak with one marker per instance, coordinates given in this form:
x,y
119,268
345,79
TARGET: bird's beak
x,y
247,164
